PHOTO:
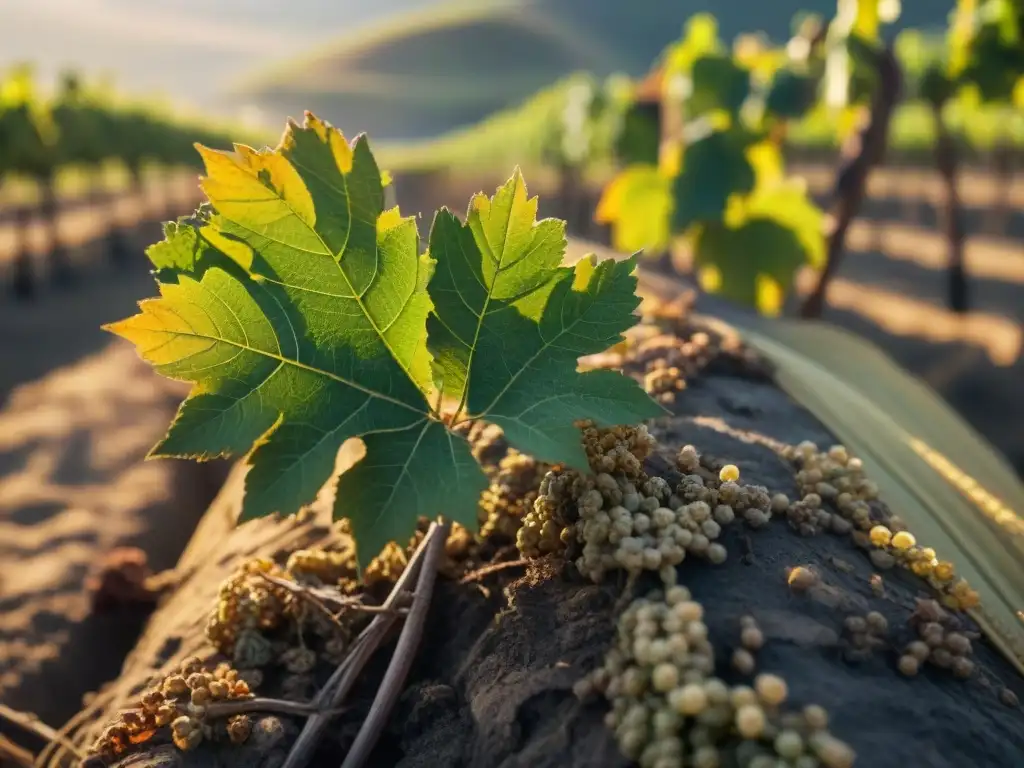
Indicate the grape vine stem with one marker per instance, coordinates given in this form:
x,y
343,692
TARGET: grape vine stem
x,y
344,677
394,679
487,570
14,754
320,597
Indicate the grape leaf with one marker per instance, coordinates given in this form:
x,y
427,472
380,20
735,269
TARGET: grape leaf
x,y
179,249
714,168
298,308
788,203
791,94
753,262
718,83
636,203
510,324
324,343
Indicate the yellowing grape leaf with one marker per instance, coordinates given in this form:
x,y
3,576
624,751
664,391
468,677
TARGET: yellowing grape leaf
x,y
179,249
510,324
637,204
297,307
700,37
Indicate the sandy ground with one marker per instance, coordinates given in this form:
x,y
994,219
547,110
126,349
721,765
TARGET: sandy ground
x,y
78,413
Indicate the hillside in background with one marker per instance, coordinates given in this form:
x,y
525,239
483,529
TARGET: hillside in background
x,y
186,50
433,70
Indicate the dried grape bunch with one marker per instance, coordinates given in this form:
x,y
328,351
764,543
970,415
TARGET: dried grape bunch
x,y
554,510
620,450
941,641
629,520
514,487
835,492
318,566
669,710
486,441
248,603
863,634
180,703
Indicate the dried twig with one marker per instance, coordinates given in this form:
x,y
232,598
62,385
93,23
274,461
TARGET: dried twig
x,y
487,570
15,754
321,595
53,752
344,677
280,706
29,722
401,661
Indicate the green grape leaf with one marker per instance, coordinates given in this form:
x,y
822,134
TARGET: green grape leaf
x,y
752,263
718,83
325,342
638,139
788,203
298,309
791,95
715,167
510,324
637,203
934,86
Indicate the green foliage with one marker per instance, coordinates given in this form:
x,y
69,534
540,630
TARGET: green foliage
x,y
700,38
81,126
637,139
28,136
750,262
717,83
714,168
986,47
638,205
935,86
791,95
305,315
719,185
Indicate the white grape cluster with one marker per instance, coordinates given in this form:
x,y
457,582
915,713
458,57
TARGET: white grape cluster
x,y
833,479
751,502
625,519
650,528
668,710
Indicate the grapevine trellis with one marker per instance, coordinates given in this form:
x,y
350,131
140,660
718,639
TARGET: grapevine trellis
x,y
84,128
701,146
